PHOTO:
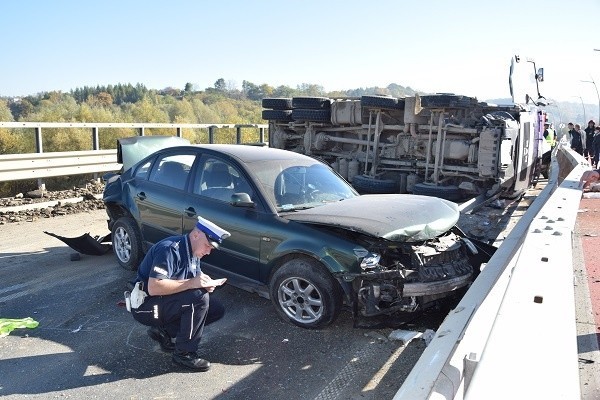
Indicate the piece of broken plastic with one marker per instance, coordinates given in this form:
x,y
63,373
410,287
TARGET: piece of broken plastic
x,y
85,244
7,325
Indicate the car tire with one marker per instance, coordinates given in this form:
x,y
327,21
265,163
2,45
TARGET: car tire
x,y
305,294
368,184
127,243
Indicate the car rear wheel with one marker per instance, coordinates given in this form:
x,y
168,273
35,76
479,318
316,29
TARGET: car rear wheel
x,y
126,243
305,294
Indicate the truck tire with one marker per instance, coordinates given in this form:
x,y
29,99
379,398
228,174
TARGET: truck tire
x,y
368,184
450,192
277,103
311,103
382,102
447,100
277,115
300,114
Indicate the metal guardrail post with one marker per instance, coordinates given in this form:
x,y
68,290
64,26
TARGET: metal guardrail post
x,y
211,134
141,131
179,132
39,148
238,134
261,135
95,140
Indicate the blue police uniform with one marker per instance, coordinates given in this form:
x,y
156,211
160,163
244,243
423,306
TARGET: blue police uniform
x,y
182,315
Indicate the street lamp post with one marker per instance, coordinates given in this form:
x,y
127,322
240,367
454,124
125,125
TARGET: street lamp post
x,y
597,95
582,106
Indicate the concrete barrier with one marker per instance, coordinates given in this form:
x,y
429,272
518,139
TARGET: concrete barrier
x,y
513,335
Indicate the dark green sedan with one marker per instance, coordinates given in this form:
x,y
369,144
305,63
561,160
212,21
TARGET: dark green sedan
x,y
300,234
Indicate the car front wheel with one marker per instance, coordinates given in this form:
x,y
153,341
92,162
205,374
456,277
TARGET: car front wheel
x,y
305,294
126,243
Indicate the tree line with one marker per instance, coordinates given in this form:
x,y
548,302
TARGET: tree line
x,y
222,103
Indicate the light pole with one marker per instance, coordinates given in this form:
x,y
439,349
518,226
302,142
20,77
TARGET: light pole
x,y
597,95
582,106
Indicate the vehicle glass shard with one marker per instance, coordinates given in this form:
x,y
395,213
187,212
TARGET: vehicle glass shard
x,y
523,81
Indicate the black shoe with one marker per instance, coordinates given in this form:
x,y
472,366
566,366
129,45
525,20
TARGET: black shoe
x,y
191,361
162,337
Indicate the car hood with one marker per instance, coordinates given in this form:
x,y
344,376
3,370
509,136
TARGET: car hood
x,y
395,217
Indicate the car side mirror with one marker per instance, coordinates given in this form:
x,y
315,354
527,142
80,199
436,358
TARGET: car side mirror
x,y
242,200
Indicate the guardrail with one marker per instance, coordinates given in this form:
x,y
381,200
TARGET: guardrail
x,y
513,335
43,165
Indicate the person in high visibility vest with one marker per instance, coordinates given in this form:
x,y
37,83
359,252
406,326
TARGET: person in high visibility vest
x,y
549,135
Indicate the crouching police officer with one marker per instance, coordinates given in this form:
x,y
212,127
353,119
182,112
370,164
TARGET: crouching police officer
x,y
174,293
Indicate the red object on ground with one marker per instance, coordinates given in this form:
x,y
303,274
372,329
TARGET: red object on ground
x,y
588,226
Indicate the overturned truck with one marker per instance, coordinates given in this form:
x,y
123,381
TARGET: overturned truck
x,y
443,145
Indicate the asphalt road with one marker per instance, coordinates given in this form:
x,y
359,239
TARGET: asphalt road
x,y
88,346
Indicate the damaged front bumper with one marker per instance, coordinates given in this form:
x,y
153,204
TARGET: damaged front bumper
x,y
389,292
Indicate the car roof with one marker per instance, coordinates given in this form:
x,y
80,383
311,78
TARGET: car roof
x,y
250,153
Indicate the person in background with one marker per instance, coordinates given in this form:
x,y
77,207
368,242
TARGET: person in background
x,y
549,135
596,148
589,177
576,137
589,139
175,293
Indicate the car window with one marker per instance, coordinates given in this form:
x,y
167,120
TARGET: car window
x,y
142,170
219,180
172,170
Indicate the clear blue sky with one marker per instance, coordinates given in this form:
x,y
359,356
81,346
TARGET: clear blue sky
x,y
462,46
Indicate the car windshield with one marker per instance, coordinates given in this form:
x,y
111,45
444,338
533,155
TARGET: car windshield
x,y
300,184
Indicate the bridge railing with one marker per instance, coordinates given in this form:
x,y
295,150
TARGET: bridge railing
x,y
513,335
49,164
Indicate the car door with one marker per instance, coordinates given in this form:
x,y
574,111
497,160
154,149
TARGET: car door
x,y
215,180
161,199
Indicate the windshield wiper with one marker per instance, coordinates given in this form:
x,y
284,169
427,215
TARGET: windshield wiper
x,y
294,208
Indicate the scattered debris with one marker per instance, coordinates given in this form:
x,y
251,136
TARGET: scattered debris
x,y
428,336
22,208
404,336
7,325
85,244
499,204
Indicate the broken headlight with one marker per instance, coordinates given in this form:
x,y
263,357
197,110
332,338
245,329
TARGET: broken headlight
x,y
370,262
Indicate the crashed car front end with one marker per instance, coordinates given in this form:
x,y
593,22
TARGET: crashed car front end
x,y
405,277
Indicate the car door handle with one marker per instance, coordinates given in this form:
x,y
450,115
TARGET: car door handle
x,y
141,196
190,212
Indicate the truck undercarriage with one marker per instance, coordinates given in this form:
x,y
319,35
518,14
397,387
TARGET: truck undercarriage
x,y
442,145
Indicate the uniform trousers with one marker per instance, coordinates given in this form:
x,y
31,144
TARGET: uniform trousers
x,y
182,315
